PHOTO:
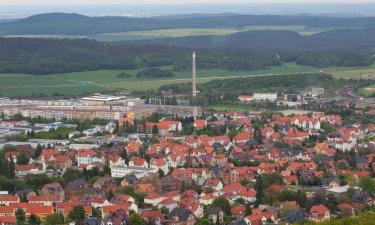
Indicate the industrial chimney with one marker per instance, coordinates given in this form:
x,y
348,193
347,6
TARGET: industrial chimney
x,y
194,79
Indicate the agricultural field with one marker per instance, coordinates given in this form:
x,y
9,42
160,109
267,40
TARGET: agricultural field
x,y
185,32
348,73
106,80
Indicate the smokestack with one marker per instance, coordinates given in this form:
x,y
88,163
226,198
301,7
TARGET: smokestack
x,y
194,79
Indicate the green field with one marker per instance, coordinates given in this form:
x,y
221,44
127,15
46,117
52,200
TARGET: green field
x,y
184,32
107,80
227,108
347,73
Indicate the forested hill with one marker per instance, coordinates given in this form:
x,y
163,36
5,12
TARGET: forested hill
x,y
74,24
48,56
278,40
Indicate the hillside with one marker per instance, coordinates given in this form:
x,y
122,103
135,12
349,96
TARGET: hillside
x,y
278,40
74,24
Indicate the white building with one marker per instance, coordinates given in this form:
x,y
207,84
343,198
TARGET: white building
x,y
265,96
122,170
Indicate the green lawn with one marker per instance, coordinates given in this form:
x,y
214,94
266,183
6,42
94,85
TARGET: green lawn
x,y
226,108
107,80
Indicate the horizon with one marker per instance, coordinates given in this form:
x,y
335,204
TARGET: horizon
x,y
140,9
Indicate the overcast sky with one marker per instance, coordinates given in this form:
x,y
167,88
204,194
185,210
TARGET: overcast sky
x,y
83,2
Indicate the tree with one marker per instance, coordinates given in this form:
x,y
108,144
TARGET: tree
x,y
164,210
71,175
161,173
54,219
96,212
77,213
222,203
368,185
135,219
38,151
20,216
155,130
34,220
22,159
202,221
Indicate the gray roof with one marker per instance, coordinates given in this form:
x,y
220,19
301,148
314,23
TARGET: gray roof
x,y
181,213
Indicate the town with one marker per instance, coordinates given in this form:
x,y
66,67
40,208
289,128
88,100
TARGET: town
x,y
117,160
209,112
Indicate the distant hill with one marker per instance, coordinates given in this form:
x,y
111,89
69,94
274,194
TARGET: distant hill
x,y
278,40
74,24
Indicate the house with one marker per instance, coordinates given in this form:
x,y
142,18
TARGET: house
x,y
165,126
196,209
319,213
181,216
109,209
200,124
23,170
153,199
168,203
8,199
265,97
346,209
294,216
207,199
118,217
46,200
85,157
138,162
105,183
154,217
216,215
5,220
238,210
65,208
159,164
245,98
362,198
330,182
62,162
76,187
361,162
53,189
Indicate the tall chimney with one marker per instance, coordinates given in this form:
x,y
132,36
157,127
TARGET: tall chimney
x,y
194,79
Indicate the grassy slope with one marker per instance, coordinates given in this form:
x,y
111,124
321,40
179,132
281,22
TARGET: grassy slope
x,y
97,81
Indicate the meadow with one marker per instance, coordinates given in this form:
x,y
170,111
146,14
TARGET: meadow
x,y
79,83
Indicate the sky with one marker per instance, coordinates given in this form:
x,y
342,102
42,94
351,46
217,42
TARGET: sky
x,y
84,2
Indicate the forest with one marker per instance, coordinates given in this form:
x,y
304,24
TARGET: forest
x,y
51,56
